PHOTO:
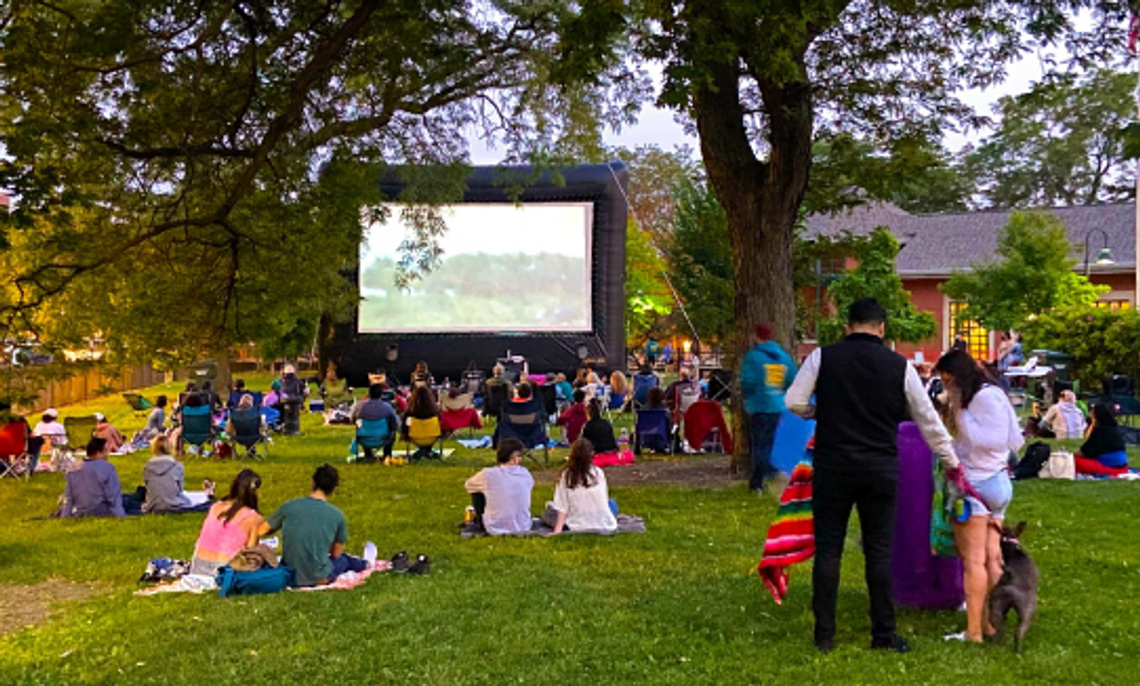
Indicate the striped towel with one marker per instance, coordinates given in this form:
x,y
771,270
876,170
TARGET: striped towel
x,y
791,538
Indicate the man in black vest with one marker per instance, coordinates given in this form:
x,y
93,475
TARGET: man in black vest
x,y
863,391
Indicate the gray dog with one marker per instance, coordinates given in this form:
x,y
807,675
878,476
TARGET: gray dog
x,y
1017,589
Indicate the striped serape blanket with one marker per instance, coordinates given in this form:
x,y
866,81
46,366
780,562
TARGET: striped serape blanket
x,y
791,538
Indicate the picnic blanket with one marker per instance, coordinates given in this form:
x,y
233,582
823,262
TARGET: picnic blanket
x,y
622,457
348,580
195,583
627,524
791,538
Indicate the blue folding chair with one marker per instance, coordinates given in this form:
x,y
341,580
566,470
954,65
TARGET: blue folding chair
x,y
652,431
248,434
272,417
197,428
641,385
372,434
526,422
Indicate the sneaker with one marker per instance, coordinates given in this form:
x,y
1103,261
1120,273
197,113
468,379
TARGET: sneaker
x,y
400,562
370,552
422,565
894,642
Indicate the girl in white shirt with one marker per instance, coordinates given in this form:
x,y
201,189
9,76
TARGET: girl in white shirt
x,y
581,498
985,429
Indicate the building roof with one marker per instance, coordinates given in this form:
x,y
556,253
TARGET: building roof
x,y
940,244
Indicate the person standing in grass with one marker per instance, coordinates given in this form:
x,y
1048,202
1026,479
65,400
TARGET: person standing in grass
x,y
863,391
985,430
501,494
581,497
765,374
231,525
313,533
92,489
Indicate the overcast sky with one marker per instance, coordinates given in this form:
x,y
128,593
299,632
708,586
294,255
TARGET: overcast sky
x,y
658,127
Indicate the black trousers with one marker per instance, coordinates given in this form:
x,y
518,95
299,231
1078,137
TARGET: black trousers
x,y
833,496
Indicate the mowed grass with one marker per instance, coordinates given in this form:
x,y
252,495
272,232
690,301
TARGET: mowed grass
x,y
678,605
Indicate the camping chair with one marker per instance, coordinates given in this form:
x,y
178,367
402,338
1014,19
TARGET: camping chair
x,y
139,405
79,430
641,385
272,417
549,395
651,430
704,420
613,401
197,428
235,398
336,394
496,397
424,434
473,382
372,434
248,433
15,460
458,413
526,422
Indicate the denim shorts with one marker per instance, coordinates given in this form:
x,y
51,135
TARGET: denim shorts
x,y
997,491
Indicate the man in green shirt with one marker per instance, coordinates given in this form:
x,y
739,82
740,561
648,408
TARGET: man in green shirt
x,y
314,534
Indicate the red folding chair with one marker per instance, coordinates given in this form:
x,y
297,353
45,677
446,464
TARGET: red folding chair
x,y
15,460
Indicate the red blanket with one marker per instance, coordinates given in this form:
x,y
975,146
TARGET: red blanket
x,y
700,419
791,538
454,420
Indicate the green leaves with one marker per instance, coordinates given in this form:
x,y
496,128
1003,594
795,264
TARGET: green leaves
x,y
1035,275
1102,342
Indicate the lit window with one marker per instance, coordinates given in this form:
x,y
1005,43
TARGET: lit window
x,y
977,337
1113,305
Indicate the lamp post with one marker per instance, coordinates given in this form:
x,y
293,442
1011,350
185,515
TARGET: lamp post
x,y
1104,256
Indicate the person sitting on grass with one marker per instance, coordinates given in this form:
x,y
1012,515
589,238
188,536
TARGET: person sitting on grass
x,y
563,391
573,418
372,408
1064,419
1103,450
581,498
51,429
107,431
501,494
163,477
598,431
92,489
156,420
313,534
231,525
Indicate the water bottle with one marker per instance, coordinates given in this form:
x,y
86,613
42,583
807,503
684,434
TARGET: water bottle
x,y
624,438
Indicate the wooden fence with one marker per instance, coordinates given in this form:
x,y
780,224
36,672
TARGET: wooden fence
x,y
91,384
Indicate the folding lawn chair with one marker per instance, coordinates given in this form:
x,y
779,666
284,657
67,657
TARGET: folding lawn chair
x,y
613,401
15,460
424,434
139,405
651,430
456,416
526,422
272,417
372,434
79,430
705,427
235,398
198,428
641,385
549,395
248,433
494,400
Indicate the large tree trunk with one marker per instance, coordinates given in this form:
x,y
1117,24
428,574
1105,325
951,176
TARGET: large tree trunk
x,y
761,201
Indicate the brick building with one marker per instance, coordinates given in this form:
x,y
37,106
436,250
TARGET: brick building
x,y
933,246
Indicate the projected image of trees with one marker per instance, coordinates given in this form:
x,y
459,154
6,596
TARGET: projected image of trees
x,y
479,291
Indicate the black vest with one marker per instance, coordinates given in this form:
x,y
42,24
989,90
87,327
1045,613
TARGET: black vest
x,y
860,401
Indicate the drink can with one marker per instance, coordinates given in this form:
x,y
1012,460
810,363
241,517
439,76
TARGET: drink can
x,y
469,515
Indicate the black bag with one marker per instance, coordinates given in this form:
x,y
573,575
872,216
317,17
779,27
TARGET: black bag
x,y
1036,455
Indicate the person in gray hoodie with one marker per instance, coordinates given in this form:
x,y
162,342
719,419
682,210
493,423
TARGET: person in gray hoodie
x,y
163,477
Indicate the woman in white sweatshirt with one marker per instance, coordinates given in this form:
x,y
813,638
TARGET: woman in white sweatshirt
x,y
985,429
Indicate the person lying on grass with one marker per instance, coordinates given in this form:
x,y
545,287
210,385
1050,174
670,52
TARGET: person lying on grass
x,y
313,533
92,489
501,494
231,525
581,497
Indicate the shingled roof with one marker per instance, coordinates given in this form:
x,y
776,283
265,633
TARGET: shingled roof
x,y
940,244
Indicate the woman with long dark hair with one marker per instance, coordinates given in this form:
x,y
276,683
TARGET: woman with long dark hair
x,y
581,497
598,431
1102,452
421,404
984,427
231,525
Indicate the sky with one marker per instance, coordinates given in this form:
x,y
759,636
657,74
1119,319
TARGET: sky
x,y
658,127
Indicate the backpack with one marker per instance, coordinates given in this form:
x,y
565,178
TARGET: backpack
x,y
1036,457
264,580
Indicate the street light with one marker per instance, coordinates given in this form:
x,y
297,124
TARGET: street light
x,y
1104,256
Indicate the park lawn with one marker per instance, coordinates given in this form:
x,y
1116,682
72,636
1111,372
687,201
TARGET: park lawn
x,y
678,605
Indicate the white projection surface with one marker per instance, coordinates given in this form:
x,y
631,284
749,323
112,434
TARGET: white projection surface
x,y
505,268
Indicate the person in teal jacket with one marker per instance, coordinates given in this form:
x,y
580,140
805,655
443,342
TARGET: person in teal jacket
x,y
766,373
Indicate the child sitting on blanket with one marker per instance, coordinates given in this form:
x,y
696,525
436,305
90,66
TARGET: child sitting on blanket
x,y
501,494
581,498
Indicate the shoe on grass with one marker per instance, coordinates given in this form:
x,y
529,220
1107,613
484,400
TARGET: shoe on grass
x,y
894,642
422,565
400,562
370,552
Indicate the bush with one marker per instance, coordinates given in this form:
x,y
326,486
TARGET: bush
x,y
1102,342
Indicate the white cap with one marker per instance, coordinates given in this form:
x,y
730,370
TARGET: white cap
x,y
99,417
51,412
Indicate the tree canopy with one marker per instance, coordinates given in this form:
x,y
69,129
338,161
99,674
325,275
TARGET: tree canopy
x,y
1032,275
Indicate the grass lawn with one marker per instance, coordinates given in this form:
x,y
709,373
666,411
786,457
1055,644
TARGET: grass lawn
x,y
679,604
